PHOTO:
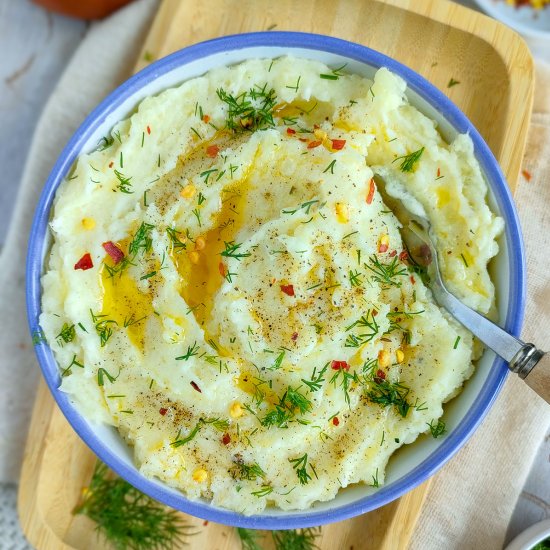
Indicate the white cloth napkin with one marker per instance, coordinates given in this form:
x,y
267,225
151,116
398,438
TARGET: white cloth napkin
x,y
97,67
472,498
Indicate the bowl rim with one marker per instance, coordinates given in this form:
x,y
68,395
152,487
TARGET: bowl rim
x,y
496,181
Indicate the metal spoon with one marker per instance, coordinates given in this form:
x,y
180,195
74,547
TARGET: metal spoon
x,y
521,357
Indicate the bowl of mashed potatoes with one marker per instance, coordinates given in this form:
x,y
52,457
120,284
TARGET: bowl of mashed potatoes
x,y
229,317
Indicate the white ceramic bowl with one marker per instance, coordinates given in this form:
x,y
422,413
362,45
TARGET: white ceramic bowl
x,y
412,464
531,536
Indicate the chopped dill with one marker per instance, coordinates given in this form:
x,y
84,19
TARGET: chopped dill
x,y
437,429
330,167
66,335
175,241
246,471
386,274
388,394
408,161
191,352
105,142
251,110
335,74
232,251
124,184
317,379
300,465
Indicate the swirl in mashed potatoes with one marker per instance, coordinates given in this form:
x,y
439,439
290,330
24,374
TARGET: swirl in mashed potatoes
x,y
228,289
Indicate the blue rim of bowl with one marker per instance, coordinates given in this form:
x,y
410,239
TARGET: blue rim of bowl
x,y
516,265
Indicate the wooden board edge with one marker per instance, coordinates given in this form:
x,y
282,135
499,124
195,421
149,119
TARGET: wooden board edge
x,y
38,533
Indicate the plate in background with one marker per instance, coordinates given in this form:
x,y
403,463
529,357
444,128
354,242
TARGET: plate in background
x,y
528,21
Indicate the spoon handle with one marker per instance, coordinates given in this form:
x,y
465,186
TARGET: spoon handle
x,y
526,360
538,378
505,345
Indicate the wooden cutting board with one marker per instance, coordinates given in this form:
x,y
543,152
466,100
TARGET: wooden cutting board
x,y
438,39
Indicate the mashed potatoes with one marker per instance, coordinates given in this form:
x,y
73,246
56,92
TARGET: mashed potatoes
x,y
228,289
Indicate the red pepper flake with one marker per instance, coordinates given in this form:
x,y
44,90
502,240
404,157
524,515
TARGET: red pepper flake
x,y
313,144
226,439
288,289
148,130
316,126
305,140
290,131
370,194
205,523
339,365
206,119
374,312
195,386
111,164
294,337
163,411
338,144
380,376
114,251
221,269
413,280
383,247
403,255
335,420
212,151
393,253
526,175
85,262
438,172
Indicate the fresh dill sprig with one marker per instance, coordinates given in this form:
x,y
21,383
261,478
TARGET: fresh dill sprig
x,y
127,518
249,538
232,251
306,206
344,379
317,379
103,327
263,491
217,423
191,352
296,539
355,278
388,394
66,335
365,322
408,161
142,240
438,428
300,464
290,539
124,185
291,402
247,471
175,241
278,361
386,274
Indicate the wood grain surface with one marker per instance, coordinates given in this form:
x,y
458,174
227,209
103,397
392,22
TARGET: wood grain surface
x,y
438,39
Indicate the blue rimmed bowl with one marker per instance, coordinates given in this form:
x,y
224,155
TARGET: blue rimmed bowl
x,y
414,463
